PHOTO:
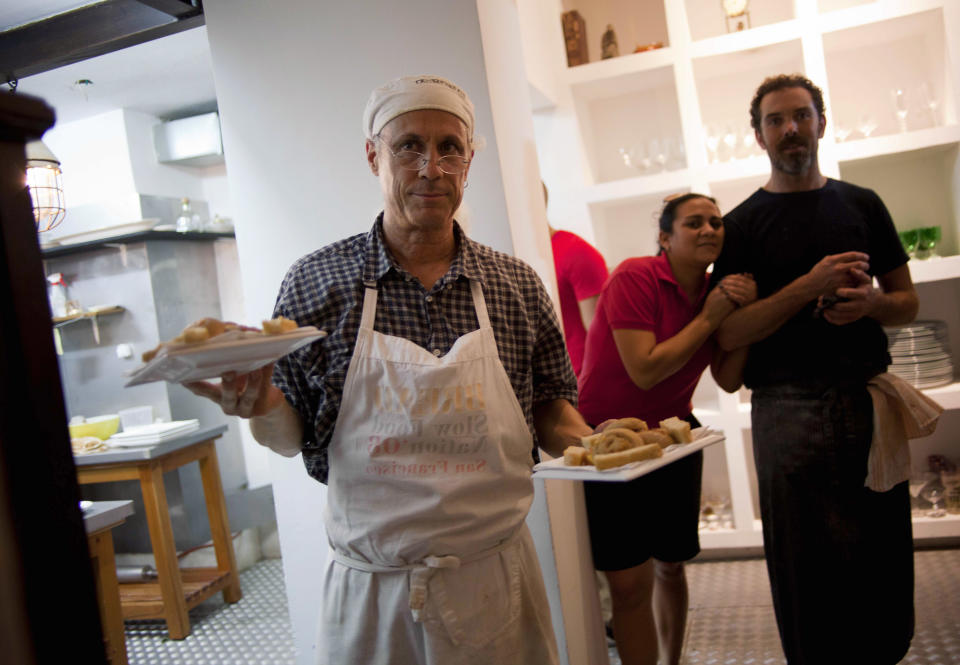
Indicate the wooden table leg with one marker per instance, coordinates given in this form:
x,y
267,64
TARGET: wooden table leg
x,y
164,551
108,591
219,522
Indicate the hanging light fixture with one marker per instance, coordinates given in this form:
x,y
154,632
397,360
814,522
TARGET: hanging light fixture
x,y
45,182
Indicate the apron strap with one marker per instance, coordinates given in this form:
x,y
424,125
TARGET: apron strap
x,y
369,308
476,290
420,573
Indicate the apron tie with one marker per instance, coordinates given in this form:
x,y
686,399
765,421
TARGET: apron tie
x,y
420,573
420,576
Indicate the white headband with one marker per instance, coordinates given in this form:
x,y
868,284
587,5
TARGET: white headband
x,y
415,93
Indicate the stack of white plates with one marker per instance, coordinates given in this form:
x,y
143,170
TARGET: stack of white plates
x,y
921,354
149,435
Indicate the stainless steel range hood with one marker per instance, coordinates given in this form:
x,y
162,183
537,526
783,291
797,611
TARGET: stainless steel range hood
x,y
193,141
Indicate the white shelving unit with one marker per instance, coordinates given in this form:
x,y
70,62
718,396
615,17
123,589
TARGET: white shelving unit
x,y
604,125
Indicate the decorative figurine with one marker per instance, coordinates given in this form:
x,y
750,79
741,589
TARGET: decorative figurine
x,y
608,45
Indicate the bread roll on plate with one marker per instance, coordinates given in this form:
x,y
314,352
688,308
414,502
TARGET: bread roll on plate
x,y
679,430
657,436
611,460
632,424
576,456
611,440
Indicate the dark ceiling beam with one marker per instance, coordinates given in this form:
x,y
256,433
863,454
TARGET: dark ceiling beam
x,y
175,8
91,31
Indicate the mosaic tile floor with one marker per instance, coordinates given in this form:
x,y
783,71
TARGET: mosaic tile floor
x,y
254,631
731,619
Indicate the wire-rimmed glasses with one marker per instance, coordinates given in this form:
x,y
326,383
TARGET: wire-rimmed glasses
x,y
411,160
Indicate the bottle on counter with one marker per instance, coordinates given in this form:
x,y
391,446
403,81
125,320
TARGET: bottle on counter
x,y
185,222
57,292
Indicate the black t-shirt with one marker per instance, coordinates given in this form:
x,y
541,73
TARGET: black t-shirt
x,y
778,238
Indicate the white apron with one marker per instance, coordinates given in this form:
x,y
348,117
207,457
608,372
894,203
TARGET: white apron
x,y
429,486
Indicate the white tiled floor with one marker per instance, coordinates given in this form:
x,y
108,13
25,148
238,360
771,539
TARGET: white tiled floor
x,y
731,614
731,619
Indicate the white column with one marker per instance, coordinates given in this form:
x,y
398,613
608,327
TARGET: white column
x,y
292,77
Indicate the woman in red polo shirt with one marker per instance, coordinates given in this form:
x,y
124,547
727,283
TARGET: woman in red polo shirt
x,y
648,344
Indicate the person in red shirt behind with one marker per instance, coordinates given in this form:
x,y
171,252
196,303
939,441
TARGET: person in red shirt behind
x,y
581,272
650,341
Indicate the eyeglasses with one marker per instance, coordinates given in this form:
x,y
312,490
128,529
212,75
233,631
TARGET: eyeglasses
x,y
414,161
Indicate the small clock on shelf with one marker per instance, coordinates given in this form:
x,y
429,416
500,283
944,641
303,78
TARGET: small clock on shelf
x,y
737,14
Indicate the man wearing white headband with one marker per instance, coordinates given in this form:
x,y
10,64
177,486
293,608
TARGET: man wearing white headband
x,y
422,409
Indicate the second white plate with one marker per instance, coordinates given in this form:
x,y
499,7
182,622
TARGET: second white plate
x,y
207,360
556,469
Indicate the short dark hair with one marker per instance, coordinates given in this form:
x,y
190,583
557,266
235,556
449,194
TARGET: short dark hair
x,y
669,213
773,83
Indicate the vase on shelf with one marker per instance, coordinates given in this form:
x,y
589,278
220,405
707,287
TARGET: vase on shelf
x,y
575,38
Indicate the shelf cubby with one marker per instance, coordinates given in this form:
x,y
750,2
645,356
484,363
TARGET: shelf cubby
x,y
707,18
621,117
867,63
634,23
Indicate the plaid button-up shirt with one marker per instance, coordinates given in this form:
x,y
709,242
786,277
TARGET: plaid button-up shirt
x,y
325,289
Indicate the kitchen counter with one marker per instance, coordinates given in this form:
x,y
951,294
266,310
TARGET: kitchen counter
x,y
98,520
103,514
143,453
175,591
53,251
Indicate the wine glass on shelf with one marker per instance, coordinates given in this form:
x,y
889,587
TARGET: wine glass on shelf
x,y
951,489
625,156
730,142
933,492
658,153
678,154
917,481
930,101
713,144
842,133
928,238
910,239
867,126
749,141
900,107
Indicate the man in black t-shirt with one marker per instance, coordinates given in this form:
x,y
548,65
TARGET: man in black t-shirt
x,y
839,555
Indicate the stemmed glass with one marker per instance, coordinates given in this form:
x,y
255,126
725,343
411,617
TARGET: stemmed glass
x,y
951,488
749,141
730,141
713,143
900,107
867,126
930,102
658,151
933,492
918,480
841,132
929,236
910,238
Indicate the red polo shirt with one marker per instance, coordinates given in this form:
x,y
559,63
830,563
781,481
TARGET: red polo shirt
x,y
641,294
581,272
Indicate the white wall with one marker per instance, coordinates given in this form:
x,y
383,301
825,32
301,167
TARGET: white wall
x,y
150,176
98,181
292,78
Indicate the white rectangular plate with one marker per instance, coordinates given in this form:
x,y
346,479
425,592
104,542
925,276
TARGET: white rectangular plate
x,y
206,360
555,468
